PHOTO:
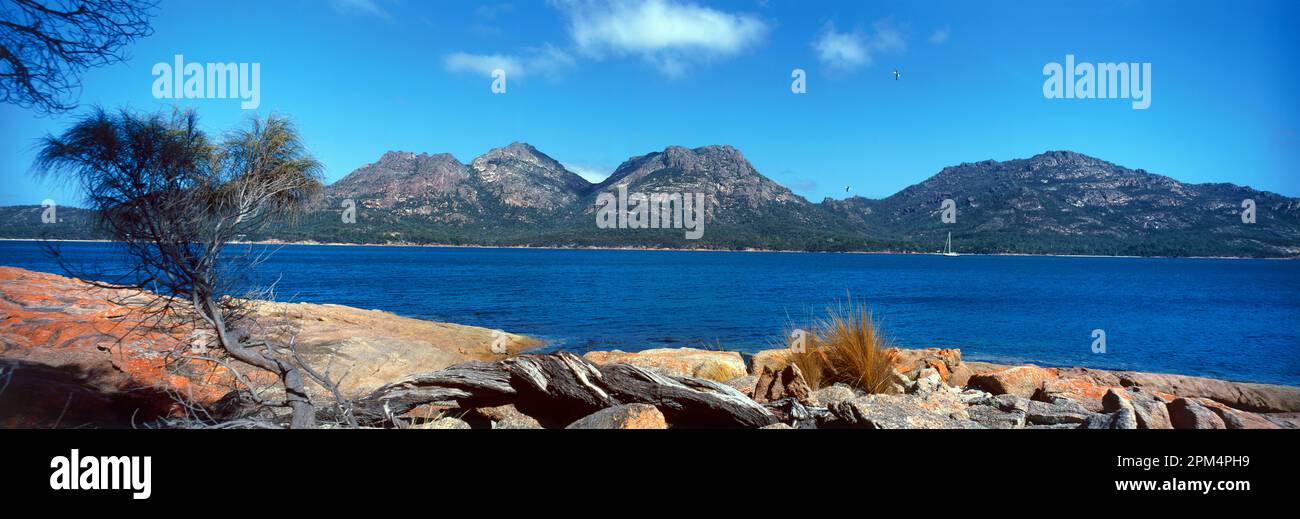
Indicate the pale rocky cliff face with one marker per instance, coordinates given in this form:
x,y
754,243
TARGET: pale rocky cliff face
x,y
400,175
405,183
734,191
513,184
520,176
713,170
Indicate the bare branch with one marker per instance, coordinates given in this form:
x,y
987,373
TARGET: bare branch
x,y
45,46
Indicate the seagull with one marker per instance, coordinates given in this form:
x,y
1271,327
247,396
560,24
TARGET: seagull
x,y
847,188
897,75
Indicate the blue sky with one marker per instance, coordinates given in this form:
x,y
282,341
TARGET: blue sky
x,y
594,83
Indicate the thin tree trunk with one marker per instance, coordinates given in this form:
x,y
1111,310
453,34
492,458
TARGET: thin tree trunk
x,y
303,414
559,388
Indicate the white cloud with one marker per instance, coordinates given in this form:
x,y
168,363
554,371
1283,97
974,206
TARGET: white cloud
x,y
841,49
851,50
593,175
366,7
483,64
939,36
546,61
670,34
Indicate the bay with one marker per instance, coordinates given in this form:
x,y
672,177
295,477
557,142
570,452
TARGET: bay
x,y
1222,318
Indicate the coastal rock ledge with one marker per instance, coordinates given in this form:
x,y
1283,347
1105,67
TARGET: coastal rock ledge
x,y
76,355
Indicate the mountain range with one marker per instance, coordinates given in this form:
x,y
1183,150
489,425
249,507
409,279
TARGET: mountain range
x,y
1057,202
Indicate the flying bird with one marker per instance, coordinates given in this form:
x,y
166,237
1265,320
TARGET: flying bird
x,y
897,75
847,188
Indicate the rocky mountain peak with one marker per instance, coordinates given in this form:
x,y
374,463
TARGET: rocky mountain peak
x,y
705,163
1049,166
1068,160
520,147
400,160
735,192
515,152
1054,202
722,156
400,176
522,176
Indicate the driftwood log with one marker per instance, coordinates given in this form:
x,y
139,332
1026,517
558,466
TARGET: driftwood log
x,y
560,388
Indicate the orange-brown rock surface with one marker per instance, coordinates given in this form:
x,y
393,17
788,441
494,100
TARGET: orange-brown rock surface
x,y
775,358
685,362
94,339
628,416
775,384
75,355
70,333
1023,381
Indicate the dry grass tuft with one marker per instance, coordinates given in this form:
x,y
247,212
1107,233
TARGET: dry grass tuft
x,y
856,349
717,371
811,361
848,346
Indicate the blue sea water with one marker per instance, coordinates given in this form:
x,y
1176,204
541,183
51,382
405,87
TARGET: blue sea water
x,y
1233,319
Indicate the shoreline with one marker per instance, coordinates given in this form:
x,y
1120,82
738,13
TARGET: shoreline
x,y
549,346
930,388
975,358
674,249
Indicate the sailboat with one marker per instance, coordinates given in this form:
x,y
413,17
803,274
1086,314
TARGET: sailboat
x,y
947,249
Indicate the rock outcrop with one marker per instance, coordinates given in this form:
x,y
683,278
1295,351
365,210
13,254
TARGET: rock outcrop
x,y
1084,385
894,412
77,355
775,358
1151,409
775,384
502,417
376,347
1023,381
101,335
67,324
1187,413
682,362
744,384
630,416
946,362
1261,398
444,423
